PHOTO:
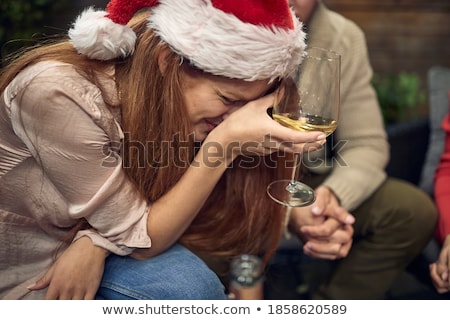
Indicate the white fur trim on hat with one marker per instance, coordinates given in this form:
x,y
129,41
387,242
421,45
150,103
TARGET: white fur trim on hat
x,y
221,44
98,37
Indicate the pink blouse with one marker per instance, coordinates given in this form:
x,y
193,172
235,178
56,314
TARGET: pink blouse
x,y
442,184
60,162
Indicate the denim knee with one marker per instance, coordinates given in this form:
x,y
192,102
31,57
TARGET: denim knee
x,y
176,274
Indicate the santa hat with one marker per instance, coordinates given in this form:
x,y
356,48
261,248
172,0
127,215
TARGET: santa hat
x,y
250,40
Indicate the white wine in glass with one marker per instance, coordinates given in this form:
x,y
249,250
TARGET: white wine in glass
x,y
310,103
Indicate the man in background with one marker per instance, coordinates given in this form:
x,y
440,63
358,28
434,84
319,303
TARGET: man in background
x,y
394,220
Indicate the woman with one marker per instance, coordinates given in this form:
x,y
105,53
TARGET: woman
x,y
125,141
440,270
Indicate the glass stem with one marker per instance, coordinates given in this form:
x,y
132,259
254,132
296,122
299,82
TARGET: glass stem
x,y
297,163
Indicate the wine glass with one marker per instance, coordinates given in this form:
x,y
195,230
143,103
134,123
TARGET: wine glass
x,y
310,103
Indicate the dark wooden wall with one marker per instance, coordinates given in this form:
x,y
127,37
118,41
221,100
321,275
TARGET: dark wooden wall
x,y
402,35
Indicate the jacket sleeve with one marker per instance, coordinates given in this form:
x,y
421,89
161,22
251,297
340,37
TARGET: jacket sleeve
x,y
54,115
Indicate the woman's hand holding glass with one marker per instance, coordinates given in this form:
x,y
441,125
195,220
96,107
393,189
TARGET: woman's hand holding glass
x,y
251,131
311,103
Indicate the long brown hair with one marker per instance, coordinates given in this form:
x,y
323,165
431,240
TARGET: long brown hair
x,y
238,217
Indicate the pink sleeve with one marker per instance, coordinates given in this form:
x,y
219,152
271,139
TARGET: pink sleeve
x,y
442,184
55,121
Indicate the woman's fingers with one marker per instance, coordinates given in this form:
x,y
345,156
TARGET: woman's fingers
x,y
42,282
441,285
251,125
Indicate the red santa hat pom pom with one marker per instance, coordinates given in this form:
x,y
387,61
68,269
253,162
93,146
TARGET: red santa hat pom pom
x,y
98,37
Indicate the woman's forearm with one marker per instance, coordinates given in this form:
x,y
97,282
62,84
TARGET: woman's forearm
x,y
171,215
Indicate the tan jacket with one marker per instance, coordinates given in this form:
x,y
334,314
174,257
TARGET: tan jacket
x,y
361,141
59,162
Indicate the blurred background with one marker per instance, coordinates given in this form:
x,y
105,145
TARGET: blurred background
x,y
403,36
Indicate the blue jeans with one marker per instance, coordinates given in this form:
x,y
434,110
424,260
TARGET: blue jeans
x,y
176,274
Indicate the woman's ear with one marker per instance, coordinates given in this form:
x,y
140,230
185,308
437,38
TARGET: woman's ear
x,y
162,59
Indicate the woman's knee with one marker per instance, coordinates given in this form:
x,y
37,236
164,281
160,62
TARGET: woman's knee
x,y
176,274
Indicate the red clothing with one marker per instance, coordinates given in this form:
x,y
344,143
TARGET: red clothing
x,y
442,184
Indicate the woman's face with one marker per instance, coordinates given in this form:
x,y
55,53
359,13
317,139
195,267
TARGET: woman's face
x,y
210,99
